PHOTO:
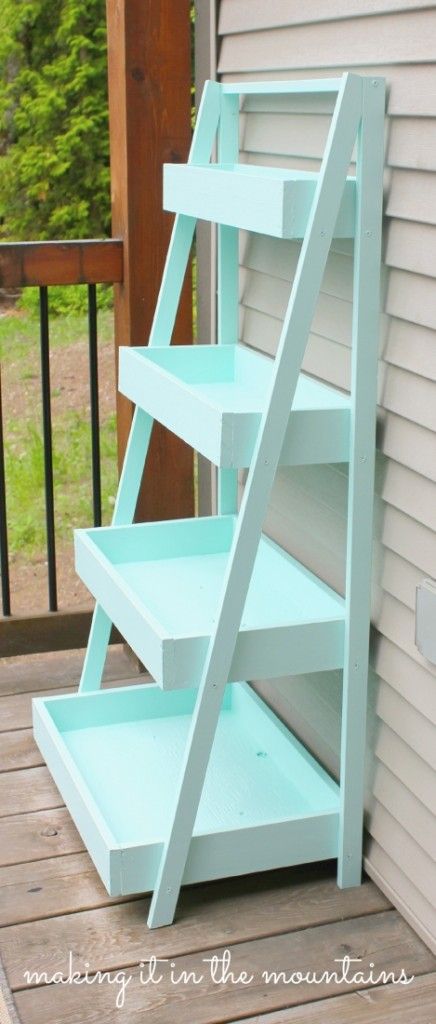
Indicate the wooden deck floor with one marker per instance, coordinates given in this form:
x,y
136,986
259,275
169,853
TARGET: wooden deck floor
x,y
53,904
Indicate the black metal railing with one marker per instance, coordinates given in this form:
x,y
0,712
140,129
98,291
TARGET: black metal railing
x,y
4,552
43,264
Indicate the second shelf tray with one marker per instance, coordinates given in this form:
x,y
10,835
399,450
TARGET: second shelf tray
x,y
160,584
213,397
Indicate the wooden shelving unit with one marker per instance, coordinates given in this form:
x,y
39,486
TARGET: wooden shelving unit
x,y
194,777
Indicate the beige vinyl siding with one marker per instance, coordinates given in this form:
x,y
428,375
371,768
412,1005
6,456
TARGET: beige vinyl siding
x,y
287,39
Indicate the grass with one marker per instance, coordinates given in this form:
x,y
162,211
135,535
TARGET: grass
x,y
19,336
24,454
72,476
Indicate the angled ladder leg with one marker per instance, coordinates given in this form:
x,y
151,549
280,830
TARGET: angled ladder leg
x,y
161,332
128,490
274,422
361,479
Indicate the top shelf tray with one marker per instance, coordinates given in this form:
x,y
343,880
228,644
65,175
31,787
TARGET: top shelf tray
x,y
270,200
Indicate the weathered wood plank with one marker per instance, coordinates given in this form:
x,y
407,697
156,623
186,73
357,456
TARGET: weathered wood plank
x,y
149,69
18,750
380,1005
237,910
49,631
21,675
383,939
62,885
16,709
29,789
49,887
27,837
24,264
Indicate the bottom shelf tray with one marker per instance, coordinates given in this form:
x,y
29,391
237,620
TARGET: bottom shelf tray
x,y
115,756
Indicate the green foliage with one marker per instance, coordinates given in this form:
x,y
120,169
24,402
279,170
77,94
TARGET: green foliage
x,y
65,300
54,148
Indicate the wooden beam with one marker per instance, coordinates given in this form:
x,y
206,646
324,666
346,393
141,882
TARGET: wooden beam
x,y
53,631
24,264
149,60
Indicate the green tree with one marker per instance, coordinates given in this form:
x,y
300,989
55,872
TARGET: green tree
x,y
54,146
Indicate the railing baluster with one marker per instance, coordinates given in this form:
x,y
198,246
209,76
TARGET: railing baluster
x,y
4,554
95,418
48,448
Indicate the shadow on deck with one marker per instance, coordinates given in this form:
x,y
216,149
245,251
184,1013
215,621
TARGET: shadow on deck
x,y
55,914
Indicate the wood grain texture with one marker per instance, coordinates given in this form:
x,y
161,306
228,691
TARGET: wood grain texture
x,y
369,1006
56,669
149,65
382,938
29,837
29,789
16,709
209,915
18,750
24,264
51,887
52,900
41,633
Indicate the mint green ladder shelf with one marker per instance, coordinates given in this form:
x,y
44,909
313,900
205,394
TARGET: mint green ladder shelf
x,y
194,777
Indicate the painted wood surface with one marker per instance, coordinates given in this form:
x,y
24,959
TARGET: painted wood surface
x,y
135,737
213,397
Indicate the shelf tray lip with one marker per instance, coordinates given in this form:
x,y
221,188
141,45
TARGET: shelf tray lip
x,y
283,174
159,583
46,723
268,200
283,86
41,711
89,537
84,535
340,401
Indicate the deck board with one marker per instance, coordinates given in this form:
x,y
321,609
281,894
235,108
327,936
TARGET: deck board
x,y
383,938
30,789
18,750
388,1004
115,936
52,901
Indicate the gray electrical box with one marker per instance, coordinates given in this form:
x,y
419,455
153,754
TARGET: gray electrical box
x,y
425,621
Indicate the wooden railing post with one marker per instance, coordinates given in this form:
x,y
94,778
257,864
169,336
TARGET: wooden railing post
x,y
149,58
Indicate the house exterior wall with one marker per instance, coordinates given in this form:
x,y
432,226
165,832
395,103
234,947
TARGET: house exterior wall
x,y
307,514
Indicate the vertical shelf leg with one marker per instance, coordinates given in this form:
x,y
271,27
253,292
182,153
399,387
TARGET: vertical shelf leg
x,y
366,304
228,279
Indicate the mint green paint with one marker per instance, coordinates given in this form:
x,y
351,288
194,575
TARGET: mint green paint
x,y
159,583
115,756
193,779
270,200
213,397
